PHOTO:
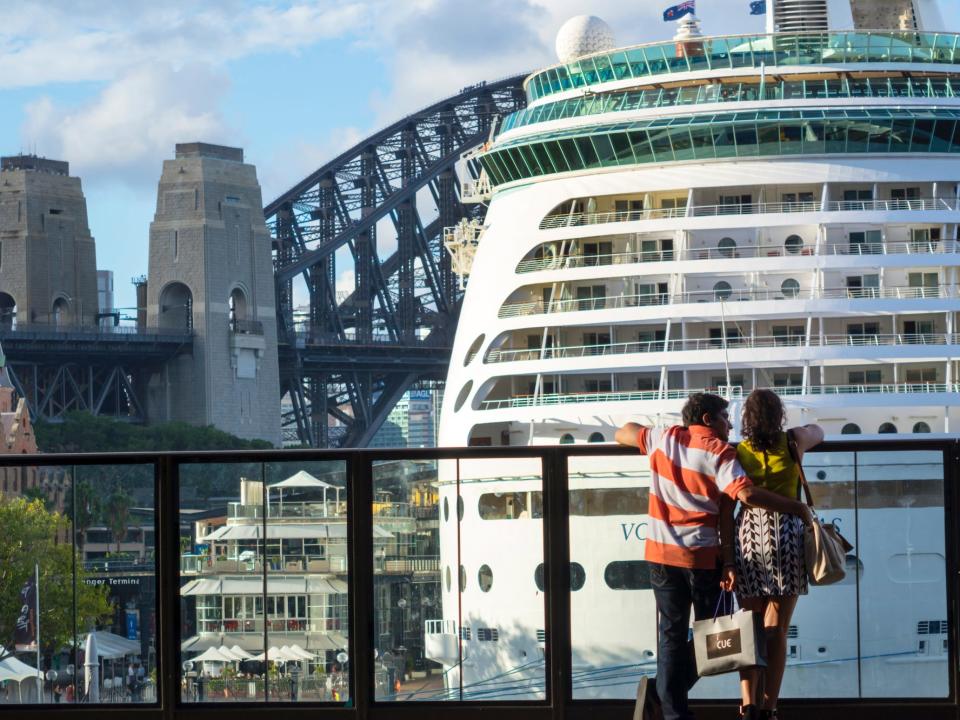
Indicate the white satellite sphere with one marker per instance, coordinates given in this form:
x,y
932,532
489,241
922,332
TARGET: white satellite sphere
x,y
583,35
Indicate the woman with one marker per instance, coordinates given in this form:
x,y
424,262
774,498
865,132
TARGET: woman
x,y
771,573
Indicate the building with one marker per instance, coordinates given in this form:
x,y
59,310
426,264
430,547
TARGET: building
x,y
412,422
105,297
48,262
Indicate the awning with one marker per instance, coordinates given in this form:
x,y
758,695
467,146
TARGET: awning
x,y
13,669
212,655
112,646
328,641
288,531
253,585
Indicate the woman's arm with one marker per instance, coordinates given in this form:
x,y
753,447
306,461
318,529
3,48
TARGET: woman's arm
x,y
807,436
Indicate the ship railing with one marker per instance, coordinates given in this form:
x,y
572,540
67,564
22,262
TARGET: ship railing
x,y
613,302
580,260
732,391
697,344
763,208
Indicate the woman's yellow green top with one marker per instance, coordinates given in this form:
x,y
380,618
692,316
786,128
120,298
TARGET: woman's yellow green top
x,y
773,470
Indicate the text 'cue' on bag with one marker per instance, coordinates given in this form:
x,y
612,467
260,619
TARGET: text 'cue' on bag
x,y
824,548
729,642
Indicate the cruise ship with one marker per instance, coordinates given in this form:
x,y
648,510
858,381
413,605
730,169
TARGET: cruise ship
x,y
776,210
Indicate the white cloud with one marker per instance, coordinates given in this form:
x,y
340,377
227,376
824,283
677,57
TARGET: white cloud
x,y
346,281
130,126
299,158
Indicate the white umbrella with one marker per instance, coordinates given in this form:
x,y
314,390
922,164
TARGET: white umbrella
x,y
240,652
212,655
276,653
228,653
297,650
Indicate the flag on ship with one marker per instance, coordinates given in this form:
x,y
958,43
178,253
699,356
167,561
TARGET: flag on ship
x,y
758,7
688,7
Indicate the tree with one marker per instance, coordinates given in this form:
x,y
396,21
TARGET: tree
x,y
30,535
84,505
117,511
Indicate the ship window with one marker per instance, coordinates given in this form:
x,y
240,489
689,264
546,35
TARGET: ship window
x,y
538,577
459,507
485,578
462,397
850,429
887,428
790,288
727,247
566,439
446,510
471,353
463,578
446,577
921,427
722,290
793,244
596,437
503,506
627,575
578,576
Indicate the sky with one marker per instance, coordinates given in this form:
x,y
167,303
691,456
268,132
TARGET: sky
x,y
112,85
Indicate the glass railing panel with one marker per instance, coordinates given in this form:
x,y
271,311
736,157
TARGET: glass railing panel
x,y
486,638
613,614
78,595
307,572
412,654
221,643
901,548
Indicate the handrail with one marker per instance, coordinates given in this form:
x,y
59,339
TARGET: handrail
x,y
611,302
576,219
694,344
521,401
740,252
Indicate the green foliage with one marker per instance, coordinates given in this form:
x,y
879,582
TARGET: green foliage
x,y
117,514
29,536
82,432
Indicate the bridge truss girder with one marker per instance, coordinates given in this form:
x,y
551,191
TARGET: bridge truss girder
x,y
407,301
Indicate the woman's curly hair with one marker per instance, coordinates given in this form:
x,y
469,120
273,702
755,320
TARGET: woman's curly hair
x,y
763,419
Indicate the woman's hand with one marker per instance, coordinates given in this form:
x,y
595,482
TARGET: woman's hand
x,y
728,578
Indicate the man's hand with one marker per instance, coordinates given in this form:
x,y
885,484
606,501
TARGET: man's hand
x,y
728,578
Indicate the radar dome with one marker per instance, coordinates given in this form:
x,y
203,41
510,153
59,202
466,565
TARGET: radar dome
x,y
583,35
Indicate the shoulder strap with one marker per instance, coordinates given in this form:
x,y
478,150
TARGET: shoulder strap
x,y
795,454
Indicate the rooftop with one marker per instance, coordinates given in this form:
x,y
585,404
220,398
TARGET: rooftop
x,y
35,163
199,149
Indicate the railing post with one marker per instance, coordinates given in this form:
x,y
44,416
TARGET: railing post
x,y
167,498
360,580
556,551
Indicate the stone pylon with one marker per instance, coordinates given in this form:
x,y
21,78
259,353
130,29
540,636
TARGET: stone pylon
x,y
210,270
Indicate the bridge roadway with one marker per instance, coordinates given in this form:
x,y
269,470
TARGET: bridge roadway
x,y
103,371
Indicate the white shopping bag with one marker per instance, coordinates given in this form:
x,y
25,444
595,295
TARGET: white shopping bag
x,y
729,642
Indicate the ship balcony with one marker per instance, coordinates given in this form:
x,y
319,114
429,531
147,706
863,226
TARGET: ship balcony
x,y
569,220
722,252
722,292
931,344
944,392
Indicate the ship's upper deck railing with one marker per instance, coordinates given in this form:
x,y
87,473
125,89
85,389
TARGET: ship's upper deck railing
x,y
643,62
727,294
772,90
738,252
559,352
735,391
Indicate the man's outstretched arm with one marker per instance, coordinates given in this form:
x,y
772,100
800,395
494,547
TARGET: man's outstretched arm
x,y
629,435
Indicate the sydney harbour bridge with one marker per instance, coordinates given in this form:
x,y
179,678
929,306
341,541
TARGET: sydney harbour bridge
x,y
345,357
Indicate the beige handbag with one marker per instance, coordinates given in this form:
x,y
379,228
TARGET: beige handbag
x,y
825,549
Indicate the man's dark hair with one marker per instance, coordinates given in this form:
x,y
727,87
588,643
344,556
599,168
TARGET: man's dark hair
x,y
700,404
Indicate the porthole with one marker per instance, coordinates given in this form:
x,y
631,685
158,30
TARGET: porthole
x,y
722,290
727,247
485,578
459,507
463,578
850,429
566,439
921,427
446,510
578,576
793,244
887,428
790,288
596,437
446,577
462,397
474,347
627,575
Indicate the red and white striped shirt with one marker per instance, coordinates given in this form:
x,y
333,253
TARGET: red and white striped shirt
x,y
690,467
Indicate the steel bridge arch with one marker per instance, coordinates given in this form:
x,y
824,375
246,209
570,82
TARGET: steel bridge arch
x,y
350,357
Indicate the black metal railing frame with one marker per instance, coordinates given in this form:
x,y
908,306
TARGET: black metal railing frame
x,y
559,703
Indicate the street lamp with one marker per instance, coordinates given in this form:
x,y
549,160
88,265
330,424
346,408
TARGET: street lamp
x,y
401,648
51,679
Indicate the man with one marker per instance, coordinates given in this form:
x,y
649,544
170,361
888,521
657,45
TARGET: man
x,y
695,481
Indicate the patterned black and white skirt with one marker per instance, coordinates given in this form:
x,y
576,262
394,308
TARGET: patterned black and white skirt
x,y
769,554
